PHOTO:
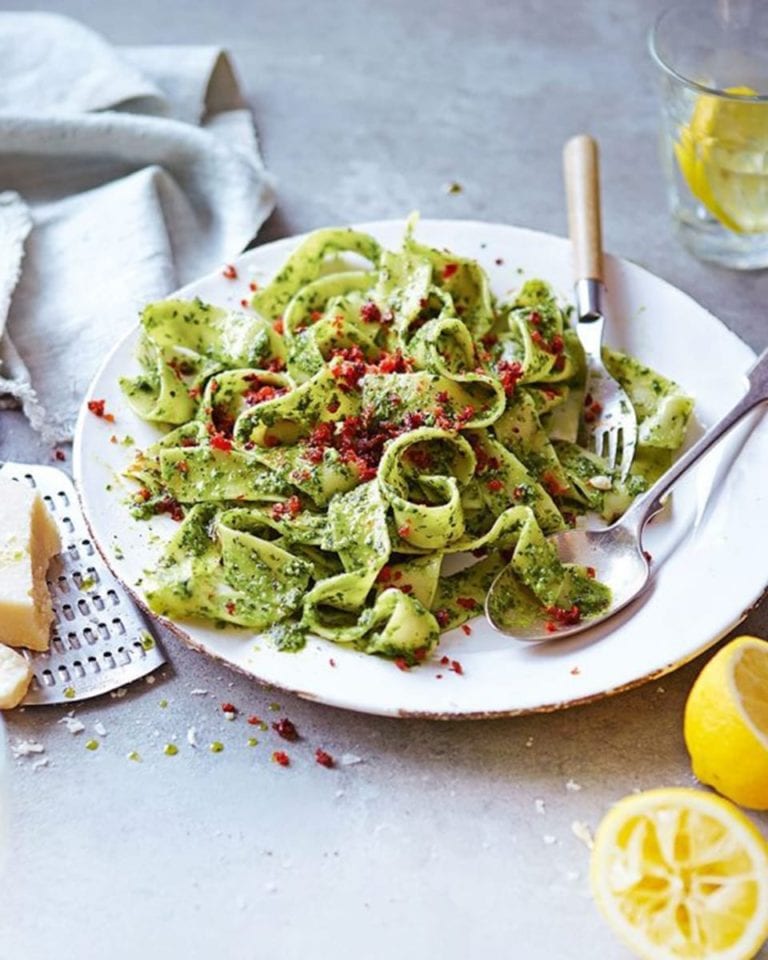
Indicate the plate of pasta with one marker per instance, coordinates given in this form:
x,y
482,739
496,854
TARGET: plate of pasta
x,y
312,463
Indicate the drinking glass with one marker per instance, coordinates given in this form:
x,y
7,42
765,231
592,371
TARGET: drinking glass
x,y
713,68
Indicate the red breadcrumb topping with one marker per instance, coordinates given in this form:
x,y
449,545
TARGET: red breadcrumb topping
x,y
220,442
289,508
509,372
466,602
567,616
443,618
324,759
170,506
285,728
370,313
96,407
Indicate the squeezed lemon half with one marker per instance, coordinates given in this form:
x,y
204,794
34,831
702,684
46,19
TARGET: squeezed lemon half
x,y
681,874
726,722
723,156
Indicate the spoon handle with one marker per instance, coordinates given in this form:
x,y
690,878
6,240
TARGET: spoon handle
x,y
651,501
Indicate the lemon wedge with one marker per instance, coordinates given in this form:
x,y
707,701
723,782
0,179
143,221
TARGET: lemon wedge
x,y
723,156
681,874
726,722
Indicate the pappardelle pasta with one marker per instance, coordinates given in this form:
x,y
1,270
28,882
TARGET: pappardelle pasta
x,y
361,453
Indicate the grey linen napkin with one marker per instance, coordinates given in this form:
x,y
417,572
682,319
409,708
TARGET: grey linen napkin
x,y
125,173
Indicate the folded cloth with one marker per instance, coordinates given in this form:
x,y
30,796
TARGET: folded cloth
x,y
125,173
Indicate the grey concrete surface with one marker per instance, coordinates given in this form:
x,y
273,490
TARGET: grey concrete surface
x,y
446,840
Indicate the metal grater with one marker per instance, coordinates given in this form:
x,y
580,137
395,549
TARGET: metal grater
x,y
99,640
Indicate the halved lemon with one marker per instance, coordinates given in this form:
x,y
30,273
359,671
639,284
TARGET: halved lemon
x,y
723,156
681,874
726,722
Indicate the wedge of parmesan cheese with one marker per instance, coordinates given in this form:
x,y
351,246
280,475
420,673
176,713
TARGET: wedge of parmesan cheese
x,y
28,541
15,675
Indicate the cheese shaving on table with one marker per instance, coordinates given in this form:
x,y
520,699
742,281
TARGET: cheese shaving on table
x,y
72,724
25,748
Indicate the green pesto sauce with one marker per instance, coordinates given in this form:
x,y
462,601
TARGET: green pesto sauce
x,y
288,637
409,418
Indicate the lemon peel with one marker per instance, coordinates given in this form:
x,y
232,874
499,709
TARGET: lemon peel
x,y
726,722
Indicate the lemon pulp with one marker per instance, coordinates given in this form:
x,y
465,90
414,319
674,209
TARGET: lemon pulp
x,y
682,875
751,679
723,157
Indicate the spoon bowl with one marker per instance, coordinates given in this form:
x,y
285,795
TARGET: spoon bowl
x,y
616,555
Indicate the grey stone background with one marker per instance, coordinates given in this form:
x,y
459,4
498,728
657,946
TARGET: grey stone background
x,y
451,840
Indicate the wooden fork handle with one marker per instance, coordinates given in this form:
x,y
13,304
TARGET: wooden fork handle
x,y
582,187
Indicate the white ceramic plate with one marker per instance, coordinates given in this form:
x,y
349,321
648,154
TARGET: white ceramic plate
x,y
711,565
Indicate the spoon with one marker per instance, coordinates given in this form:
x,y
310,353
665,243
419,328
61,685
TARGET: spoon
x,y
616,552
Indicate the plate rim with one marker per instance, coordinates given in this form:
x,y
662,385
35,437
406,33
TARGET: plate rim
x,y
342,702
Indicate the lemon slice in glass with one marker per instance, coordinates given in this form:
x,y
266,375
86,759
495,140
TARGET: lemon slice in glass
x,y
681,874
723,156
726,722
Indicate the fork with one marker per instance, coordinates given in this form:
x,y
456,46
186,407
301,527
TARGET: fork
x,y
608,423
